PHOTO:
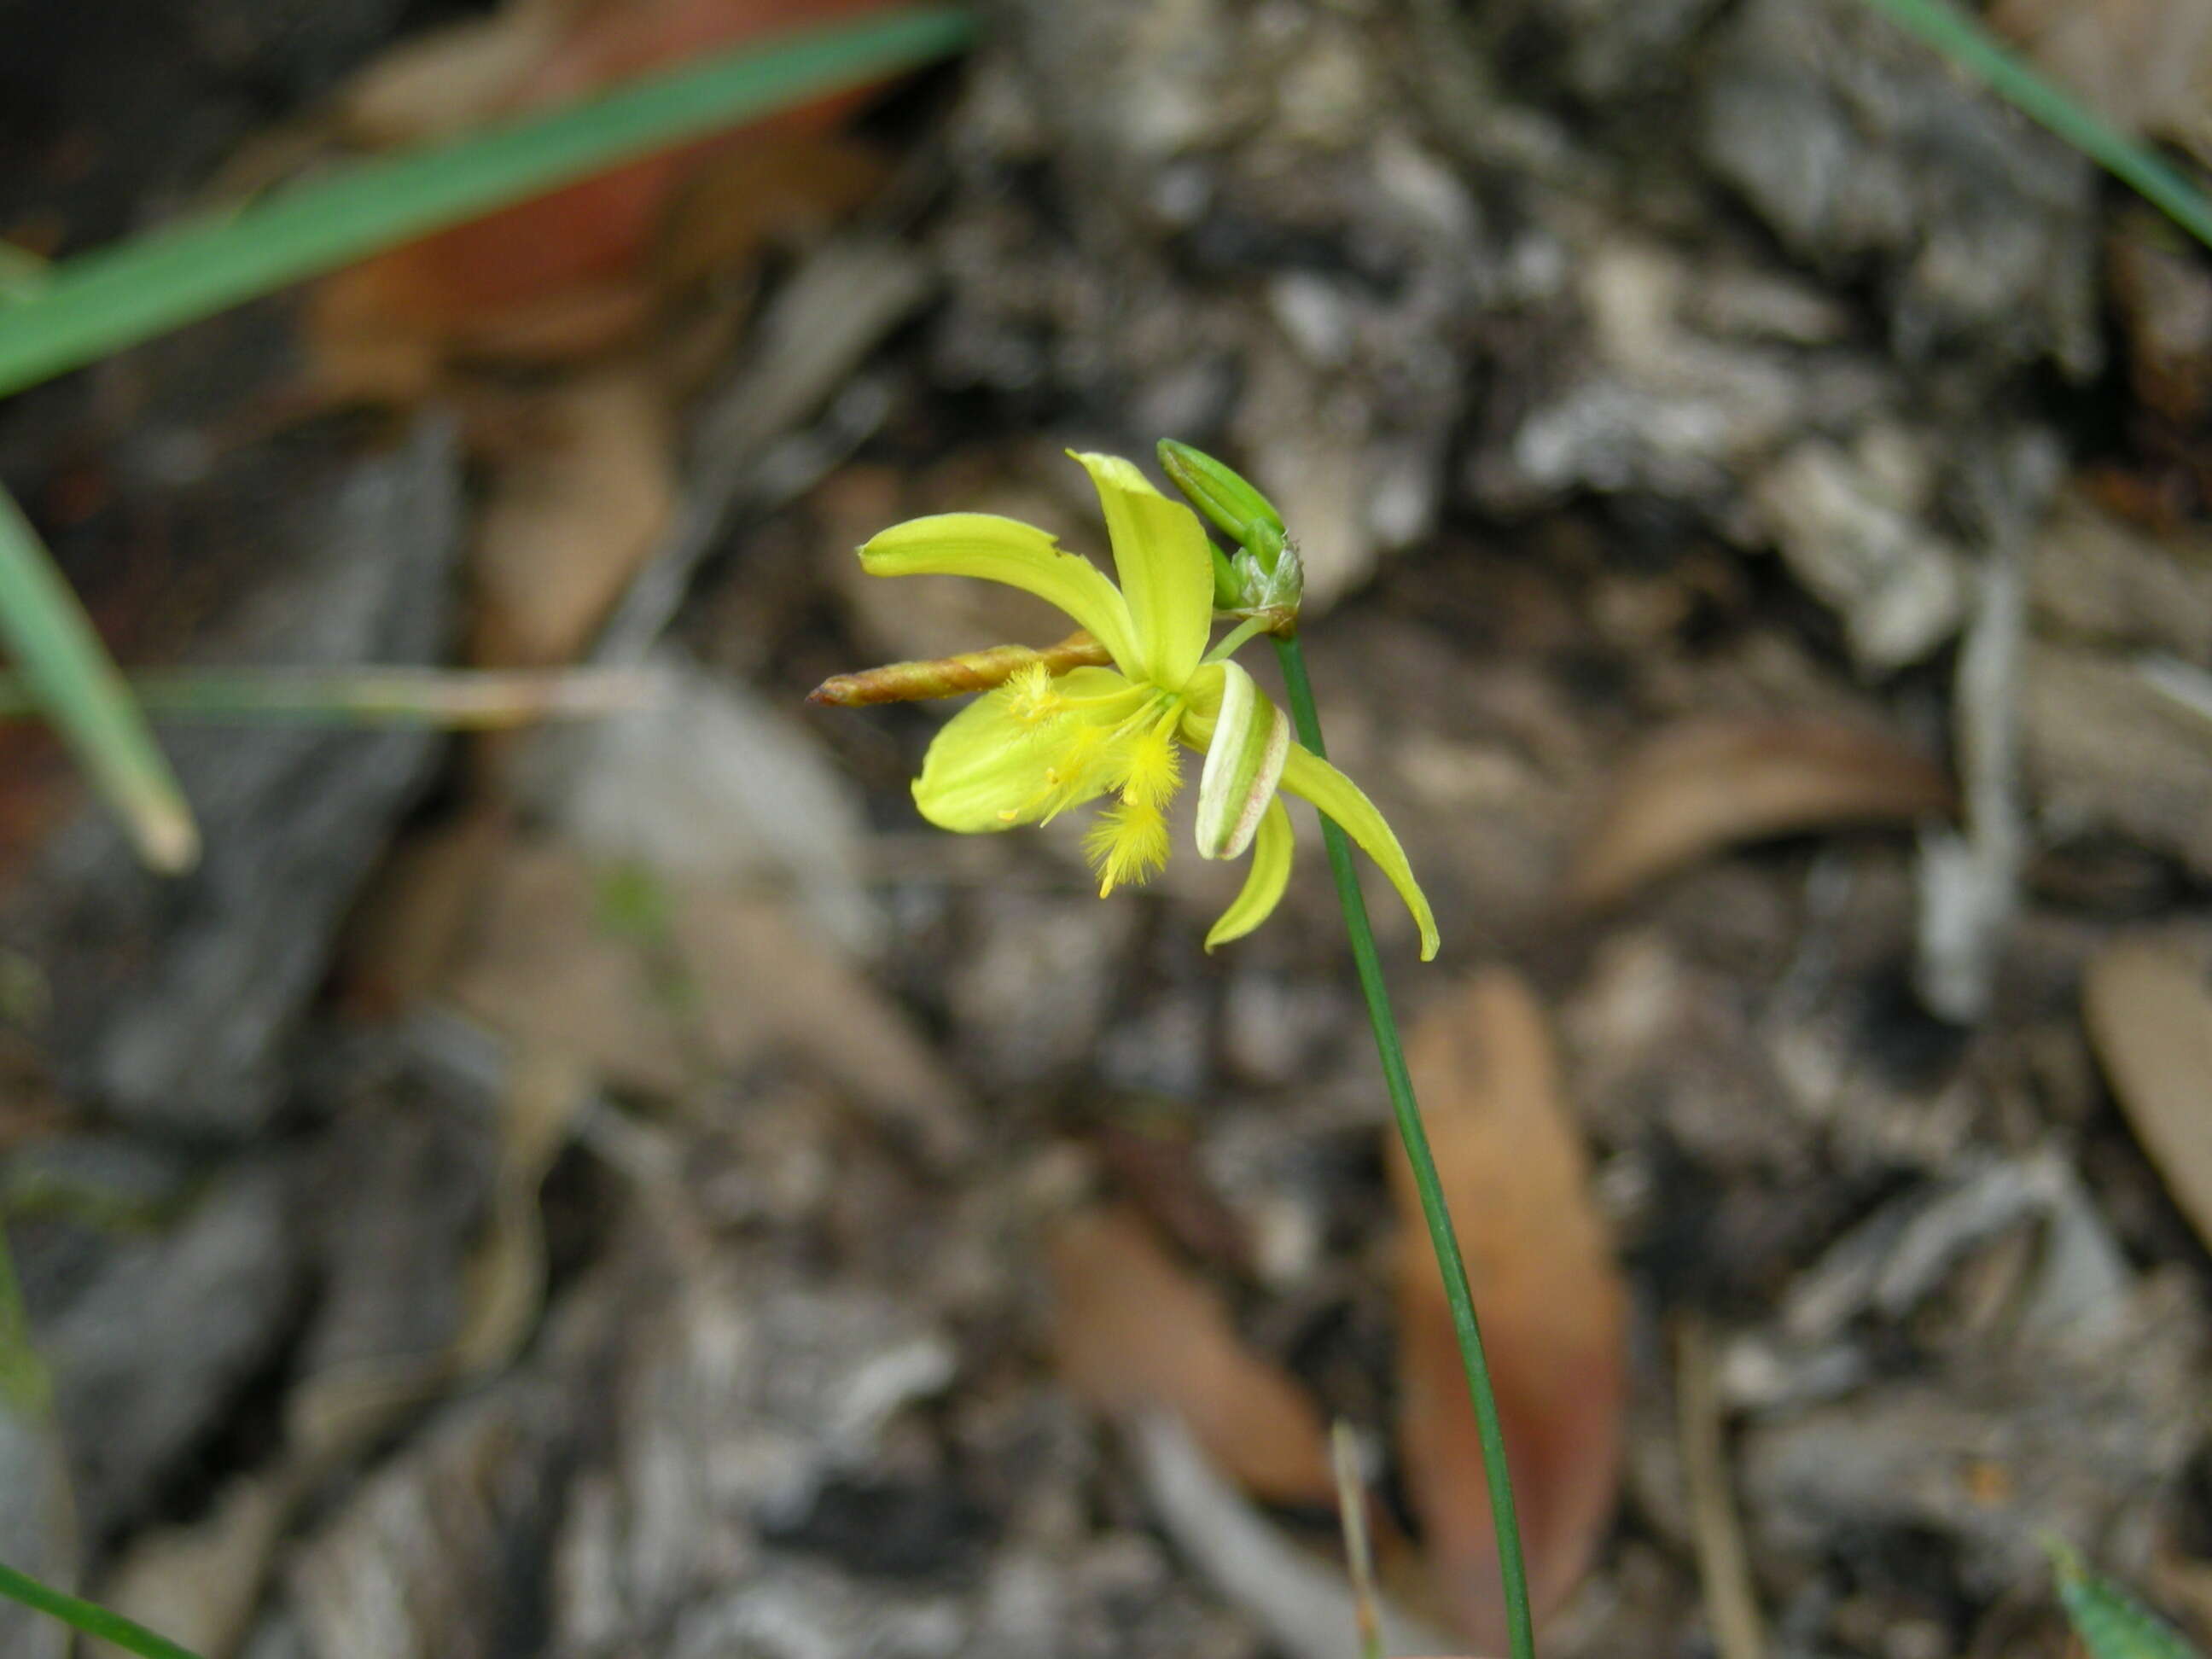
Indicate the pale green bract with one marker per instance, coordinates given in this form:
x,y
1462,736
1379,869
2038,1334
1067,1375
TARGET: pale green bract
x,y
1041,744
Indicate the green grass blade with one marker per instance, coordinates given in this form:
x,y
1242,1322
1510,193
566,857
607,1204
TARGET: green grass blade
x,y
1972,48
2110,1622
89,1617
99,302
77,688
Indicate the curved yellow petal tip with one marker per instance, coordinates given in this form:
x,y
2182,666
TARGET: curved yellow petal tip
x,y
1309,776
1264,883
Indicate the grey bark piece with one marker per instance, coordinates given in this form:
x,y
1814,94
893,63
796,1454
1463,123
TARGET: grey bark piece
x,y
711,783
400,1189
2095,579
2108,750
1853,531
172,1000
2087,1443
154,1350
660,1416
1855,144
1032,993
36,1533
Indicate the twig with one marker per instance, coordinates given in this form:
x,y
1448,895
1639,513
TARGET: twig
x,y
1358,1553
460,699
1724,1567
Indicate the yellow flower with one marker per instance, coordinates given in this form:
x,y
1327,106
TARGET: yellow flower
x,y
1042,744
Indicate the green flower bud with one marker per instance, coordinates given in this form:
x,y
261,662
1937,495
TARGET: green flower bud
x,y
1234,508
1278,585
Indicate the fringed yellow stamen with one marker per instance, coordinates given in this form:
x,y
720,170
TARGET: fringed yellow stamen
x,y
1029,694
1127,844
1155,769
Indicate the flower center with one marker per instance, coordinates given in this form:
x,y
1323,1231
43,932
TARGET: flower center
x,y
1122,742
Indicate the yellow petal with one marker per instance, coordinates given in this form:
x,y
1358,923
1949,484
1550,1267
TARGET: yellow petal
x,y
1263,886
1306,774
1166,567
991,769
999,550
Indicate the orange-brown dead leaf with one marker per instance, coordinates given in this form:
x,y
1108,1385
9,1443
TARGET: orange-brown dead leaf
x,y
577,271
2149,1000
408,924
1135,1333
735,979
1707,784
1553,1307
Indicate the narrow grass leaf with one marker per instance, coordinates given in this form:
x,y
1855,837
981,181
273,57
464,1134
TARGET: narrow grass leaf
x,y
100,302
88,1617
1972,48
2110,1622
68,672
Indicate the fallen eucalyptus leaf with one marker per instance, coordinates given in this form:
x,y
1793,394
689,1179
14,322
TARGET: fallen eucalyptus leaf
x,y
1704,784
2148,1002
1552,1306
1137,1334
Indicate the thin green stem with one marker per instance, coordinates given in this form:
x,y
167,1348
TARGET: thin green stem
x,y
1415,1137
1972,48
93,1620
1234,640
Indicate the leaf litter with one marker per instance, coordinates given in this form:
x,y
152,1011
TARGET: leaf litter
x,y
786,1382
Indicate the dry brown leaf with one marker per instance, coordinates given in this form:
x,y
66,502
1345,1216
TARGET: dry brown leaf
x,y
2149,1000
2164,297
405,930
438,84
1707,784
1137,1334
583,488
733,980
1549,1294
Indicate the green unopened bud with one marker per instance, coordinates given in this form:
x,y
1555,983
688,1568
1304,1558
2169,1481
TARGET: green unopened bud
x,y
1243,764
1234,508
1277,586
